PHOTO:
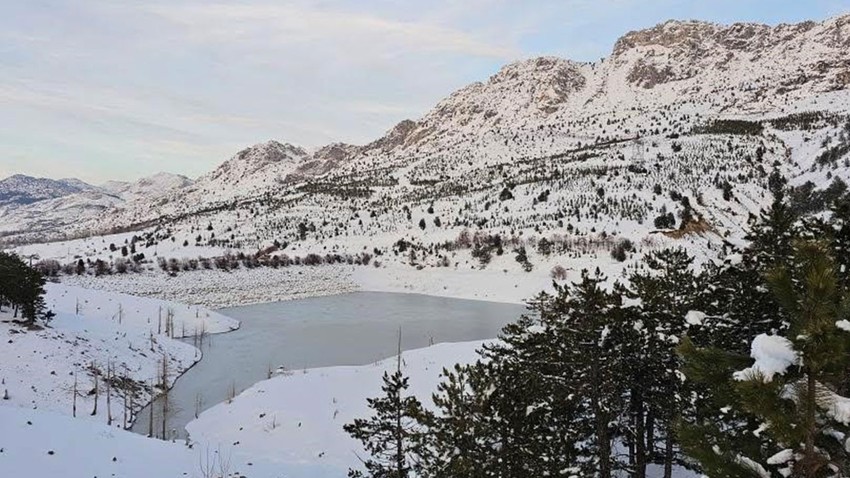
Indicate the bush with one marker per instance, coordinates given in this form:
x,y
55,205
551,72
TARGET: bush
x,y
621,250
48,267
522,258
559,273
312,260
482,253
665,221
102,268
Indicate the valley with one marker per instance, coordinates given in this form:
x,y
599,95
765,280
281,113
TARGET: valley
x,y
551,190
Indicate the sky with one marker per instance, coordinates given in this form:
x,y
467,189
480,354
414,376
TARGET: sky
x,y
117,89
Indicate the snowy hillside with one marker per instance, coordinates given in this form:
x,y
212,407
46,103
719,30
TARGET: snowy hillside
x,y
42,206
672,138
97,334
20,190
148,187
545,147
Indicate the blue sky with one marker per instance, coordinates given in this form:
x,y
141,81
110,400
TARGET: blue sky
x,y
115,89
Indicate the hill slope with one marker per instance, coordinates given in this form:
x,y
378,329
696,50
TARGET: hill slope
x,y
680,126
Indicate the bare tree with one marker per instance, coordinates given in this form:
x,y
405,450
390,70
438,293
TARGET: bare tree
x,y
164,375
109,377
214,464
95,374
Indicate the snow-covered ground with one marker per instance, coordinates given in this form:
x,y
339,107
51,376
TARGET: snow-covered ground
x,y
218,289
298,418
502,280
96,330
290,425
41,444
214,288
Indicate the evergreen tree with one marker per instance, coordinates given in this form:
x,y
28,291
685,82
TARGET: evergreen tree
x,y
838,232
535,403
22,287
510,414
792,390
594,359
393,436
772,235
458,432
666,292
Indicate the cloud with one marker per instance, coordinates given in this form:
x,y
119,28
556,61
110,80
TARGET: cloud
x,y
124,88
295,24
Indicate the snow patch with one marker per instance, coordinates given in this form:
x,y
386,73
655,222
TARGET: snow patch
x,y
773,355
694,317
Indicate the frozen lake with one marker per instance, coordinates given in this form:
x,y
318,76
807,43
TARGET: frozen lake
x,y
350,329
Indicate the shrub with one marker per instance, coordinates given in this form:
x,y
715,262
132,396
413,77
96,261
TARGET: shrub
x,y
559,273
621,250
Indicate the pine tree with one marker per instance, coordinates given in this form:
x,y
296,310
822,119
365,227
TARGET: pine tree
x,y
772,235
393,436
22,287
667,292
720,437
839,238
803,419
530,395
462,432
594,358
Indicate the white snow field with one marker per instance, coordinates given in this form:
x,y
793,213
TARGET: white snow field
x,y
40,444
98,330
297,419
288,426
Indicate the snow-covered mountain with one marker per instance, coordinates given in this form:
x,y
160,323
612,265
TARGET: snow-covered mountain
x,y
42,207
20,189
147,187
547,147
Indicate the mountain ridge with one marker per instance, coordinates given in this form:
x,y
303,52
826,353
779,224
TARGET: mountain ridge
x,y
659,83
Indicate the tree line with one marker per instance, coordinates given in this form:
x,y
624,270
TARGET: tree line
x,y
656,373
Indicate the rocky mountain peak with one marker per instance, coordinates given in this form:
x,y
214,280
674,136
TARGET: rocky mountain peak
x,y
258,157
397,136
678,50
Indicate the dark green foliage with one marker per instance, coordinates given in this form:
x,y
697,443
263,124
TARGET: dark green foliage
x,y
522,258
621,250
796,403
22,288
805,199
665,221
547,397
806,121
544,246
666,291
394,435
731,127
834,153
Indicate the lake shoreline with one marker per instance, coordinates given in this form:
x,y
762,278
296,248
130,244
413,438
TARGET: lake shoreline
x,y
354,329
219,289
